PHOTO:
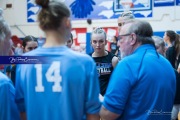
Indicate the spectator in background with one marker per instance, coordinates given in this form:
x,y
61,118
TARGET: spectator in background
x,y
114,47
160,47
105,61
67,87
70,41
41,41
18,49
8,70
8,108
139,85
29,43
171,52
177,47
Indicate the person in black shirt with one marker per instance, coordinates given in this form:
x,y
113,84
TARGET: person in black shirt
x,y
171,52
105,61
114,47
160,47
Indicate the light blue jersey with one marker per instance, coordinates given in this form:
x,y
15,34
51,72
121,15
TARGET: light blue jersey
x,y
8,108
65,89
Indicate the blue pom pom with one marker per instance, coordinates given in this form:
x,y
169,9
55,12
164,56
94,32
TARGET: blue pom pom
x,y
82,8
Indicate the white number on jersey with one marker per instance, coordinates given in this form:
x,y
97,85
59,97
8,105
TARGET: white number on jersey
x,y
52,75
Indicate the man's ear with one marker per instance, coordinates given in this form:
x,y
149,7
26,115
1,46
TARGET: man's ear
x,y
133,39
68,22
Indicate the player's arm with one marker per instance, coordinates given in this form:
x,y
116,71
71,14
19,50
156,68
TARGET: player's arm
x,y
93,117
178,69
19,95
23,116
108,115
8,108
117,93
92,103
115,61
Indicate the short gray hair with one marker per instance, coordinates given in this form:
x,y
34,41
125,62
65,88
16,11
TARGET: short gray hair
x,y
158,40
143,30
5,31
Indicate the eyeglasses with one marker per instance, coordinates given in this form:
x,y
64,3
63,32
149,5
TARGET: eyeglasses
x,y
119,37
126,34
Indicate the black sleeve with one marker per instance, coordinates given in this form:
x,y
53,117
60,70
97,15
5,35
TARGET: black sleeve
x,y
171,56
13,74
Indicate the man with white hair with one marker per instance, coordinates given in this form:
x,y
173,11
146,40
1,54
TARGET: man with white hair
x,y
8,108
140,87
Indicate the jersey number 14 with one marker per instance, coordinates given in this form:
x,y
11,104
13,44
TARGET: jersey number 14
x,y
52,75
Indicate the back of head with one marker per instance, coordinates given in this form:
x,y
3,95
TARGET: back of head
x,y
5,36
143,31
160,45
158,41
115,39
171,34
51,14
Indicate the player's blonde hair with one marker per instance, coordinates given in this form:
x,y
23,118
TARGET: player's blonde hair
x,y
99,30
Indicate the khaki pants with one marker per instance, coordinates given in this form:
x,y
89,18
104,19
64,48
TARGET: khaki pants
x,y
175,112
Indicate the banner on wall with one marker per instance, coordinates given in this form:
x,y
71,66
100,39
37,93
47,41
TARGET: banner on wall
x,y
79,38
111,33
96,9
79,35
135,5
106,9
159,3
178,2
32,10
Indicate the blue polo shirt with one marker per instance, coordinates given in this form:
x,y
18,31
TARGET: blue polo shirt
x,y
142,86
